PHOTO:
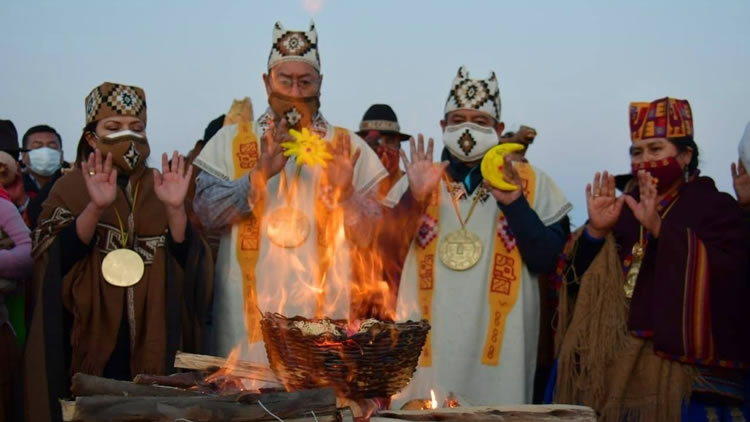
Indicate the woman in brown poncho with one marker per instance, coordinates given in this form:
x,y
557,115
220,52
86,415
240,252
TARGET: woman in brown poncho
x,y
114,297
658,280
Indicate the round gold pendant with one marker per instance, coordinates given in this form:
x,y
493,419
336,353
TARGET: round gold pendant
x,y
122,268
287,227
460,250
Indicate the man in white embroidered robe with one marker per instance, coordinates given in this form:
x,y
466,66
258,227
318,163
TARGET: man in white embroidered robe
x,y
485,319
246,178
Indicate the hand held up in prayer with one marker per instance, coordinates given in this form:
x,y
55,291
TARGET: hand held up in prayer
x,y
646,211
603,206
101,184
741,181
100,179
272,159
171,185
339,172
422,174
510,174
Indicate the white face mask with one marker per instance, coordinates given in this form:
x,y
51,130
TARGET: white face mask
x,y
44,161
468,141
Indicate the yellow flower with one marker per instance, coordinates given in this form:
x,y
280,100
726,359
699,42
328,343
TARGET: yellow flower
x,y
308,148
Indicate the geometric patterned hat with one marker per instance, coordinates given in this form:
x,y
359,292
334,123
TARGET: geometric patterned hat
x,y
662,118
474,94
111,99
294,46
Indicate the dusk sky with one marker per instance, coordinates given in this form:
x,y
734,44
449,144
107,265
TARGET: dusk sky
x,y
567,68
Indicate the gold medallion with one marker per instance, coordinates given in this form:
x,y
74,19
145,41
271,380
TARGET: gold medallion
x,y
287,227
460,250
635,269
122,268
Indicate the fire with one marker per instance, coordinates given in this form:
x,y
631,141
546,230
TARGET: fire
x,y
433,401
336,272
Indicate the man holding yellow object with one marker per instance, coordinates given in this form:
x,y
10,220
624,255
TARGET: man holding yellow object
x,y
289,224
472,268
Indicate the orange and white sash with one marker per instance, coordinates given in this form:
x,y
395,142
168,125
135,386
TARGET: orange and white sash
x,y
504,282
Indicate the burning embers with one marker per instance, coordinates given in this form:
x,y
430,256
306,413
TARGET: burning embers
x,y
451,401
365,359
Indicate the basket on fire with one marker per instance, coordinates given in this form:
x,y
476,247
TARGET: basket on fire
x,y
376,361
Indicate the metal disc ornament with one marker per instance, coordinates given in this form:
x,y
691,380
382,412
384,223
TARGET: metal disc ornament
x,y
460,250
122,268
287,227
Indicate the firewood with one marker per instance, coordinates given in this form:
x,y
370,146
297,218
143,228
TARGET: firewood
x,y
184,380
89,385
298,405
239,368
508,413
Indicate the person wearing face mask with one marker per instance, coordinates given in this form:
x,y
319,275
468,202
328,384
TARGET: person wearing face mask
x,y
380,129
472,267
659,279
44,165
247,186
110,252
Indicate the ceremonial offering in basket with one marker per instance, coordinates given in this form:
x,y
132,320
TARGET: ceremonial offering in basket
x,y
363,360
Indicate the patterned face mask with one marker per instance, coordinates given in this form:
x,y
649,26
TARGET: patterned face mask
x,y
298,111
129,149
468,141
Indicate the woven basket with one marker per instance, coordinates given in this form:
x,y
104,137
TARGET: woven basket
x,y
376,363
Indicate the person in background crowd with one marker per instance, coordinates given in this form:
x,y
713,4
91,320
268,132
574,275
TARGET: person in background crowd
x,y
20,193
380,129
44,165
525,136
16,266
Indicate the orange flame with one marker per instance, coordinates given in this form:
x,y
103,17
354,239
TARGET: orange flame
x,y
433,401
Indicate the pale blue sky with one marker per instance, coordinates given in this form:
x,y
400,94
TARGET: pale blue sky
x,y
568,68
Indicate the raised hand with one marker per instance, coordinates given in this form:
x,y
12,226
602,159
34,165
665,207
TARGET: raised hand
x,y
422,173
741,181
171,185
272,159
100,179
510,174
603,205
645,210
339,172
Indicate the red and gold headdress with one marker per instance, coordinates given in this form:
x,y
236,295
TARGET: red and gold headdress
x,y
663,118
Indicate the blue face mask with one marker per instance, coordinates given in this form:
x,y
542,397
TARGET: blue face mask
x,y
44,161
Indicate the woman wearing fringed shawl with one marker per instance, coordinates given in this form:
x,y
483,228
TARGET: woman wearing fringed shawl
x,y
117,267
654,304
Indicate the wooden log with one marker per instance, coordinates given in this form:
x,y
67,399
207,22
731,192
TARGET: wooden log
x,y
183,380
509,413
212,363
201,408
89,385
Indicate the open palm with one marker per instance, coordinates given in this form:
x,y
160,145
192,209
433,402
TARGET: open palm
x,y
422,173
340,169
603,206
100,179
171,185
741,181
645,210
